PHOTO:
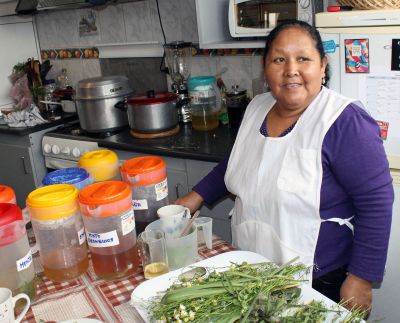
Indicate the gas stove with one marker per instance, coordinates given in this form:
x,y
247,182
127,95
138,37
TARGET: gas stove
x,y
63,147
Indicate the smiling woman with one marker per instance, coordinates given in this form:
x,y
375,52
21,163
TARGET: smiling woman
x,y
303,176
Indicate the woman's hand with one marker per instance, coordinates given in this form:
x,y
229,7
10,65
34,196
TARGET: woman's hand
x,y
357,292
191,200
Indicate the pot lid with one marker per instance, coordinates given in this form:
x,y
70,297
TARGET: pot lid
x,y
151,97
103,87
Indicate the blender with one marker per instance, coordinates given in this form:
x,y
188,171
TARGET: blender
x,y
177,56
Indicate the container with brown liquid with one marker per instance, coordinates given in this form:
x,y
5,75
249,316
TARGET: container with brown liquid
x,y
59,231
107,212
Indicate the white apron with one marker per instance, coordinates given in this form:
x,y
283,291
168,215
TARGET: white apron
x,y
277,181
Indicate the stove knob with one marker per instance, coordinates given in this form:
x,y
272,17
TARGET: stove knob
x,y
47,148
66,151
55,150
76,152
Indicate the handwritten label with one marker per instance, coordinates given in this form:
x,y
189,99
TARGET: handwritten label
x,y
161,190
140,204
101,240
127,222
24,262
81,235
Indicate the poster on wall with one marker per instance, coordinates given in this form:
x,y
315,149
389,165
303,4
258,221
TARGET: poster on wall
x,y
87,24
356,55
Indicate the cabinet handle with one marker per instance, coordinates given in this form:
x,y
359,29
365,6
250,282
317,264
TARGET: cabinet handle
x,y
177,190
27,169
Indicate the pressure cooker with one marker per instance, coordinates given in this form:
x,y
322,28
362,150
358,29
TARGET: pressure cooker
x,y
96,100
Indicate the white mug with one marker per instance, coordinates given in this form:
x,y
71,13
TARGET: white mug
x,y
7,304
173,219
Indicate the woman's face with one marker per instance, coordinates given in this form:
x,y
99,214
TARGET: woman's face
x,y
293,69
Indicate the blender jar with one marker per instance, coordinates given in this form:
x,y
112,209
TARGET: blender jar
x,y
59,231
147,177
110,228
16,271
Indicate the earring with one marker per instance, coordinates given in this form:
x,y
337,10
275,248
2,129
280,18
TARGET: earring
x,y
323,81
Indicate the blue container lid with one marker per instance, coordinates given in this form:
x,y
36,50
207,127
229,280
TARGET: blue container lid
x,y
196,81
73,176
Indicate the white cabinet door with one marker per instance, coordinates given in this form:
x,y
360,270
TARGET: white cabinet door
x,y
18,43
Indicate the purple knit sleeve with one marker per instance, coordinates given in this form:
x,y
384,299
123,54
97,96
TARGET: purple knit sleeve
x,y
359,163
212,187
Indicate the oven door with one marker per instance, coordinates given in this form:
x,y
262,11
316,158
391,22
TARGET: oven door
x,y
58,163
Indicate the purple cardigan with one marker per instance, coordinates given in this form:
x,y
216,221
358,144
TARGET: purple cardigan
x,y
356,181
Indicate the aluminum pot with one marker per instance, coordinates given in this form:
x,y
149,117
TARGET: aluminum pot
x,y
153,112
95,102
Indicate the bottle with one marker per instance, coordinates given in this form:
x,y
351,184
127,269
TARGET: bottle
x,y
63,79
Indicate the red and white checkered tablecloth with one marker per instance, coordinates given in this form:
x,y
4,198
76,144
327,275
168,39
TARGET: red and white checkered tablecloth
x,y
90,297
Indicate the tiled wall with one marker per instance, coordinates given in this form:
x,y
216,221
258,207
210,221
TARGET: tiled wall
x,y
135,22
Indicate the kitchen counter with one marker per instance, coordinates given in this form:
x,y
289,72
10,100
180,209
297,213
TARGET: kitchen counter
x,y
23,131
213,145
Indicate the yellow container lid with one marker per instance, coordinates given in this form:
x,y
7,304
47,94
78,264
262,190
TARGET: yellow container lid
x,y
53,202
101,164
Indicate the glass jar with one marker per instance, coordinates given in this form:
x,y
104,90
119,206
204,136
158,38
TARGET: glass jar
x,y
107,212
16,271
205,101
59,231
147,177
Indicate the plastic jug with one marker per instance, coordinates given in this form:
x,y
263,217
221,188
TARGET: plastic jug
x,y
147,177
205,101
59,231
7,195
16,270
101,164
76,176
107,212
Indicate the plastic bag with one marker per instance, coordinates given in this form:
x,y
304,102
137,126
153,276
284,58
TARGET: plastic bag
x,y
20,92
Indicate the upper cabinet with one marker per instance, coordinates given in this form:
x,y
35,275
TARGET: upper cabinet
x,y
213,26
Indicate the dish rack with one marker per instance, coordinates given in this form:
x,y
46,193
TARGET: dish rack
x,y
371,4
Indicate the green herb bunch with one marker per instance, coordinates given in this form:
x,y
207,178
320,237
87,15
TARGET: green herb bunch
x,y
261,292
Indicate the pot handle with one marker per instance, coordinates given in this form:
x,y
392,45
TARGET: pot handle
x,y
121,105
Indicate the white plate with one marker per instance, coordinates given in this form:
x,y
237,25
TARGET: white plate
x,y
148,289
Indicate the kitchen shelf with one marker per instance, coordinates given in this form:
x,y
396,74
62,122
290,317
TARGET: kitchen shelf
x,y
124,50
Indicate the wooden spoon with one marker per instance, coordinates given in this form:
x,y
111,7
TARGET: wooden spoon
x,y
189,224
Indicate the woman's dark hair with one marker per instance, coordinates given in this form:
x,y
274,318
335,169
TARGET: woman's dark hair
x,y
312,32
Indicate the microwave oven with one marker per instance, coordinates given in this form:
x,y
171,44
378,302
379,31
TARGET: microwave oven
x,y
255,18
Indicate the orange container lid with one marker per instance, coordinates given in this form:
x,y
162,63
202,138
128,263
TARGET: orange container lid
x,y
106,192
7,194
145,165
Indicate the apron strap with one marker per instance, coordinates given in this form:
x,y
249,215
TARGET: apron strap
x,y
341,221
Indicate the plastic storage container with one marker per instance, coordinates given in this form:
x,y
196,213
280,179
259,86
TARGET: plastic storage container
x,y
7,195
147,177
107,212
205,101
16,270
59,230
76,176
101,164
